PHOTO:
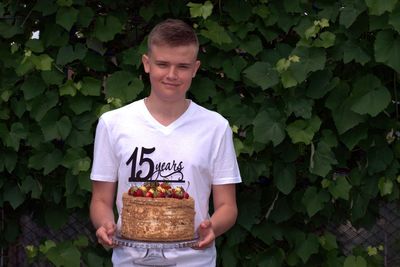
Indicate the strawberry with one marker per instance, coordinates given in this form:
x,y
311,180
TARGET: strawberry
x,y
149,194
186,195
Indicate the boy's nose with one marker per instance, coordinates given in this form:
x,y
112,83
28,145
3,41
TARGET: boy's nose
x,y
172,73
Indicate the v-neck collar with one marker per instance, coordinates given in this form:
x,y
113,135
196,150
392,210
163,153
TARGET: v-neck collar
x,y
170,127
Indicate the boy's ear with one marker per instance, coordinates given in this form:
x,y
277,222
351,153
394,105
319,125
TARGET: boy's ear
x,y
197,66
145,61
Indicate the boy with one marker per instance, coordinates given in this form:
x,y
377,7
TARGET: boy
x,y
135,143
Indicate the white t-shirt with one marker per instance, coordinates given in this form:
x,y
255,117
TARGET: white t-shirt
x,y
195,151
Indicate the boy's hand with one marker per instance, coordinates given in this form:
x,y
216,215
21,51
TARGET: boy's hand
x,y
206,235
105,233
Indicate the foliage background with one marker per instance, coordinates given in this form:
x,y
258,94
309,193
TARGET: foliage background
x,y
309,87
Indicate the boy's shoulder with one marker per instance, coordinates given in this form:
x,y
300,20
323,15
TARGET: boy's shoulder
x,y
210,115
121,112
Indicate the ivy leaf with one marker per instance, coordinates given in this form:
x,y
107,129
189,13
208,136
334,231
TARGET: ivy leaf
x,y
314,200
325,39
262,74
302,131
385,186
41,105
66,17
233,67
379,158
328,242
355,261
123,85
90,86
42,62
13,195
68,88
377,7
203,88
64,127
67,54
371,97
32,87
308,247
85,16
269,126
200,10
301,107
215,32
387,49
252,45
7,31
340,188
354,136
353,52
284,177
350,11
394,19
52,161
323,159
106,28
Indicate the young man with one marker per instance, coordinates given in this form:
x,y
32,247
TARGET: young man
x,y
166,137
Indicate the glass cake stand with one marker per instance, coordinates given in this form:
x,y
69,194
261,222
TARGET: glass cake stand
x,y
155,250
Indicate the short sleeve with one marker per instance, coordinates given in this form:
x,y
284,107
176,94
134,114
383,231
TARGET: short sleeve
x,y
225,168
105,167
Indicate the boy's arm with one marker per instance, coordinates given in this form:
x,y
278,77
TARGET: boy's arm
x,y
224,216
101,211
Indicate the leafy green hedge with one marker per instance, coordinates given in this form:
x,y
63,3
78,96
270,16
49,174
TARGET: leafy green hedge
x,y
310,89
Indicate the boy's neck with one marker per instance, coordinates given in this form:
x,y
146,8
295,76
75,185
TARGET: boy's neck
x,y
166,112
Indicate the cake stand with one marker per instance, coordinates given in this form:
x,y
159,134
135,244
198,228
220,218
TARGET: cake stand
x,y
155,250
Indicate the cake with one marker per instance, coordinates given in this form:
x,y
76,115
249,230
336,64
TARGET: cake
x,y
158,213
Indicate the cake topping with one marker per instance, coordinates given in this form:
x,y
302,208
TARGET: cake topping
x,y
158,190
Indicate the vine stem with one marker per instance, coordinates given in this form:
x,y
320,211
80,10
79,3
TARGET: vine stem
x,y
395,94
271,208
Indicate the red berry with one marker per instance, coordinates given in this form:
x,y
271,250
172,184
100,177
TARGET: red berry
x,y
149,194
186,195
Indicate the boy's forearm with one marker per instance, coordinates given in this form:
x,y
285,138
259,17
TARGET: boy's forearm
x,y
100,214
223,219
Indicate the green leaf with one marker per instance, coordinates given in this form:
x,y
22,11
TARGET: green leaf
x,y
200,10
215,33
46,7
323,159
378,7
203,89
68,88
41,105
80,104
42,62
387,49
328,242
269,127
340,188
123,85
233,67
314,200
68,54
308,247
64,254
303,131
394,19
252,45
353,52
13,195
301,107
355,261
385,186
90,86
262,74
106,28
284,177
325,39
350,11
32,87
52,77
354,136
372,96
379,158
85,16
66,17
52,161
64,127
35,45
7,30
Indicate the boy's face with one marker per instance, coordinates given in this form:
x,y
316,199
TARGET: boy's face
x,y
171,70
